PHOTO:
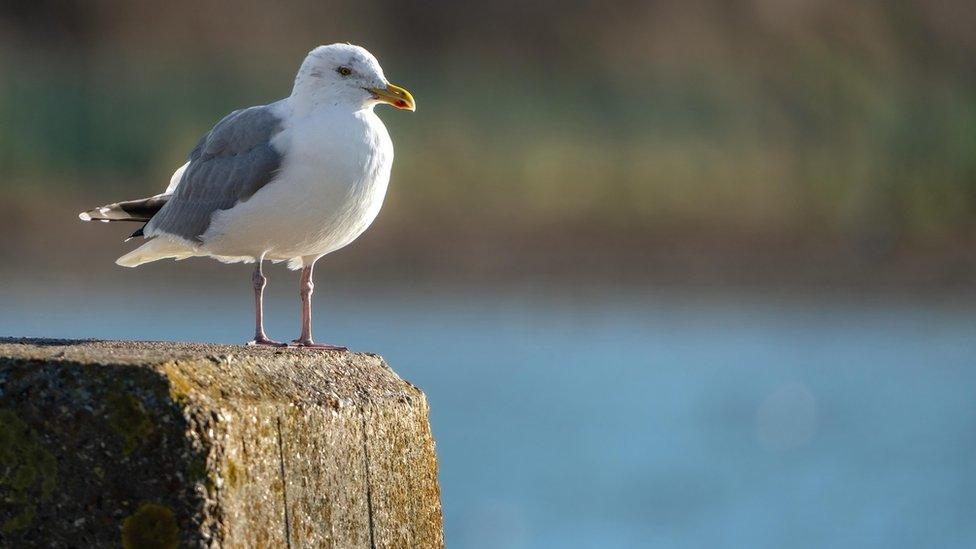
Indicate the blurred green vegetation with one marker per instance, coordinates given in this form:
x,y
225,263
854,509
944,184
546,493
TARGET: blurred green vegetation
x,y
811,121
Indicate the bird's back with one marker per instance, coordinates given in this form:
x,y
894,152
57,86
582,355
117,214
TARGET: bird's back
x,y
328,190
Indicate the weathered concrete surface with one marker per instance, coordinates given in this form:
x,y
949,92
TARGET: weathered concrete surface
x,y
167,444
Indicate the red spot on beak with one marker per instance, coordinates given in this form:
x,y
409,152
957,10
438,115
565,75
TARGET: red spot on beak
x,y
401,103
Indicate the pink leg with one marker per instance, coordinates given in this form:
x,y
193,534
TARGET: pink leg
x,y
305,287
259,280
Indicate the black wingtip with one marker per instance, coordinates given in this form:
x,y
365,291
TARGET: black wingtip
x,y
138,232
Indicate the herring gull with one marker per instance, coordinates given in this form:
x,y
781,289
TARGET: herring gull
x,y
289,181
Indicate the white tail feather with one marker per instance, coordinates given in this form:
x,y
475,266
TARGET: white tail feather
x,y
154,250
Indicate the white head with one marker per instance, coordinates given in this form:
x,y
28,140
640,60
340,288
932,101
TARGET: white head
x,y
343,74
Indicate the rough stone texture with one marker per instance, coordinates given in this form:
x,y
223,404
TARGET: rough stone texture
x,y
166,444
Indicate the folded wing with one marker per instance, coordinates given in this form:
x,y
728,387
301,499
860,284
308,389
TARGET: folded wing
x,y
231,163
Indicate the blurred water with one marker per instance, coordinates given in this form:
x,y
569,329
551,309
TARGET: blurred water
x,y
640,420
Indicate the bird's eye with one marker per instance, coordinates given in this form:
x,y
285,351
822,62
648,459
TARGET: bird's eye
x,y
344,71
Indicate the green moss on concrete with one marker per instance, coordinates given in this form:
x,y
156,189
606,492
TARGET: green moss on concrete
x,y
28,472
179,387
152,526
232,474
129,419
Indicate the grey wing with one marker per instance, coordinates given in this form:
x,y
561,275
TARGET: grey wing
x,y
228,166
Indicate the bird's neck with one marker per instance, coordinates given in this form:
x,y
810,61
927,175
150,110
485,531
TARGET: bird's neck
x,y
306,100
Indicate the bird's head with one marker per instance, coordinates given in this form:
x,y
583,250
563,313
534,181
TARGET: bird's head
x,y
343,73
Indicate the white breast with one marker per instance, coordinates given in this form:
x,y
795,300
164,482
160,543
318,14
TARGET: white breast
x,y
329,190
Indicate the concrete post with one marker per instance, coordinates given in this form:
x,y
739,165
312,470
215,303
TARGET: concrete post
x,y
168,444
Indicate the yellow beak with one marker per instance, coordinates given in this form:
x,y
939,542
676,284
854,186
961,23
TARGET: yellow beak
x,y
394,95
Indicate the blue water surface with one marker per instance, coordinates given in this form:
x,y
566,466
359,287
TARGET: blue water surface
x,y
636,418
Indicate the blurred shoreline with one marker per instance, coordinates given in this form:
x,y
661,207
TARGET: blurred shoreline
x,y
52,244
51,240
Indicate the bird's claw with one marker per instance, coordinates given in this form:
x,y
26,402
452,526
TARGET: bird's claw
x,y
263,341
309,344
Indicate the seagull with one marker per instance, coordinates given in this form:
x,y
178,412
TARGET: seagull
x,y
291,181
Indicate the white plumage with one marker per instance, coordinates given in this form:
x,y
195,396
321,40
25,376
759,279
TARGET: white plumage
x,y
329,189
290,181
336,161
